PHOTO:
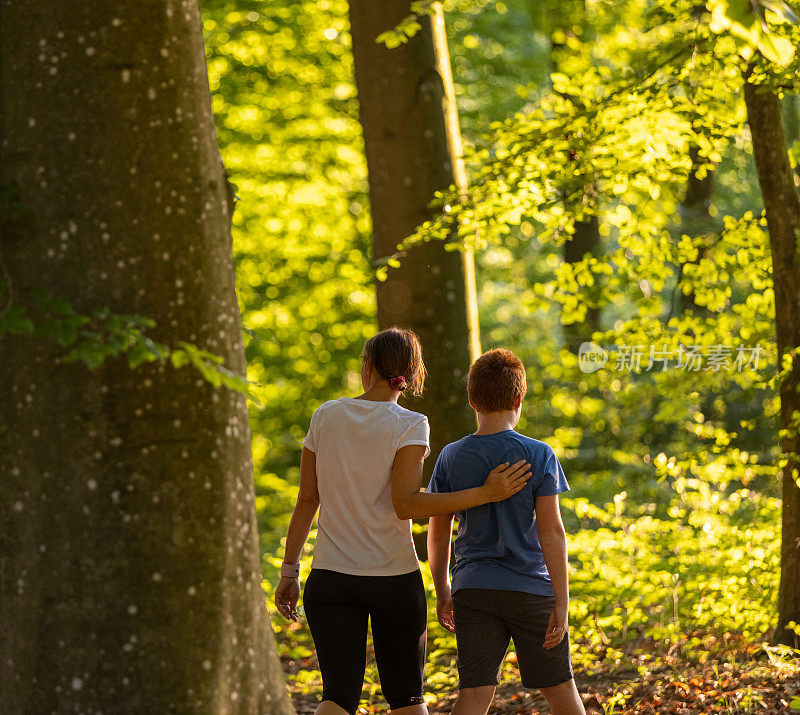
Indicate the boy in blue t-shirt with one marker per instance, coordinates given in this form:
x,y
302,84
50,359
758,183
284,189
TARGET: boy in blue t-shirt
x,y
510,573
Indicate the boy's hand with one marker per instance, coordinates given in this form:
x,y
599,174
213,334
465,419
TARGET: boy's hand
x,y
556,628
286,596
444,612
505,481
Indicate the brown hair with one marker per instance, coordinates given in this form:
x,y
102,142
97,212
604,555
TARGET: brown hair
x,y
396,352
495,379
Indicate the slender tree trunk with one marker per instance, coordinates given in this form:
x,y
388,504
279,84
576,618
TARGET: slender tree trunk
x,y
695,217
791,123
783,220
129,574
413,149
695,213
586,238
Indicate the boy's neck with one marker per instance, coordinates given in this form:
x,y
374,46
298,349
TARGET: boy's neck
x,y
493,422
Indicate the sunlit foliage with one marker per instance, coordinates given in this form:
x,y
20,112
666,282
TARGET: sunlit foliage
x,y
284,98
673,511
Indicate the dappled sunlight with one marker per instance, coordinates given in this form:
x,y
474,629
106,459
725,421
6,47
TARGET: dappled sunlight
x,y
672,513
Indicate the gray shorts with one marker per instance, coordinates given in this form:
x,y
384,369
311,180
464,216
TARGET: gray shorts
x,y
486,619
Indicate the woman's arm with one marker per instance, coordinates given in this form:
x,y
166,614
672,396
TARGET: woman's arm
x,y
410,503
288,591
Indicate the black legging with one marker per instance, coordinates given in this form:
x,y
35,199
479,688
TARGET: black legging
x,y
337,607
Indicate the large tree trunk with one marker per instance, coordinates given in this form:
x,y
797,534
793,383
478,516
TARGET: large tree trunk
x,y
783,221
130,577
413,149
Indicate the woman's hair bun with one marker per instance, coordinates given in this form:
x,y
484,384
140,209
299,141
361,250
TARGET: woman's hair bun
x,y
398,383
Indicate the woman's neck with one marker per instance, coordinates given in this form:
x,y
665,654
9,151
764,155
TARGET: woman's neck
x,y
378,392
375,387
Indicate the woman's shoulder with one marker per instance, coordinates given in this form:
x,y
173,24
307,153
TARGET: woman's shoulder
x,y
340,405
330,406
327,405
406,415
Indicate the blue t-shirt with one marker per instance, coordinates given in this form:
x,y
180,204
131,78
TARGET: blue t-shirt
x,y
497,545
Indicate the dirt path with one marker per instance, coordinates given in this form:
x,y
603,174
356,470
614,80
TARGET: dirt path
x,y
743,681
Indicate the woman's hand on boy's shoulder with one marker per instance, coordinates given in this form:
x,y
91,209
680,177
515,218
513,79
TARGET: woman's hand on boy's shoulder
x,y
506,480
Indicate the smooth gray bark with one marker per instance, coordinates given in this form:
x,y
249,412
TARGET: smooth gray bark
x,y
130,578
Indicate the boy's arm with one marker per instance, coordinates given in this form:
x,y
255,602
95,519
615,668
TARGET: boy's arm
x,y
440,529
553,541
409,503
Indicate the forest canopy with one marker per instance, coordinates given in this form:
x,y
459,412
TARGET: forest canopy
x,y
626,120
207,207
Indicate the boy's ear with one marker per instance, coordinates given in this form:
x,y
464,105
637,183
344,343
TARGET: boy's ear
x,y
471,405
517,401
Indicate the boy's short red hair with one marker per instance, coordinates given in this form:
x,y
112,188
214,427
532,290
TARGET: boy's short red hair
x,y
495,379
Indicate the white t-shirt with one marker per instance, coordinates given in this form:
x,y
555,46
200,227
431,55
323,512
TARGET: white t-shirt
x,y
355,442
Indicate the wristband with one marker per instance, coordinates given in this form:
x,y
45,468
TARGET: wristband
x,y
290,570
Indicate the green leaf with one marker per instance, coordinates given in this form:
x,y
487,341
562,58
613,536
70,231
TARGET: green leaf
x,y
14,322
179,358
391,38
139,354
782,9
91,353
775,48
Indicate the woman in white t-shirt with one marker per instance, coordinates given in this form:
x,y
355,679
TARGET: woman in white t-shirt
x,y
362,468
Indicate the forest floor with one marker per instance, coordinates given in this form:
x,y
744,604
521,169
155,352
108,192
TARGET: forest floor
x,y
731,676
